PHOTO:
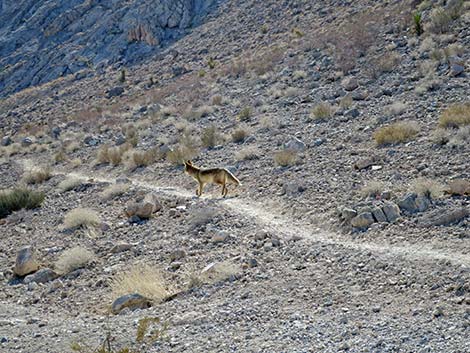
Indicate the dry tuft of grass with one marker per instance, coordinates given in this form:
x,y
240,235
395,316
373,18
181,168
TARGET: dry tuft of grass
x,y
37,175
240,134
112,155
245,114
81,217
181,153
322,111
137,158
395,133
248,154
142,279
395,108
455,116
14,200
69,183
211,137
372,189
73,259
427,187
459,187
285,157
114,191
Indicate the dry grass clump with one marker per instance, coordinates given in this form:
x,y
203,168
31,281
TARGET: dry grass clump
x,y
194,114
285,157
114,191
427,187
245,114
16,199
112,155
384,63
442,18
69,183
372,189
181,153
131,133
346,102
211,137
73,259
460,138
299,75
440,137
322,111
459,187
455,116
81,217
396,108
142,279
37,175
60,156
137,158
248,154
395,133
240,134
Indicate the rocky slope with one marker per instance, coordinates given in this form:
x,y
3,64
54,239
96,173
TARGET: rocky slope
x,y
44,40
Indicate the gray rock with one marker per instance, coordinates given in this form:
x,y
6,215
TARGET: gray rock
x,y
120,247
349,84
293,188
25,262
55,132
130,301
449,217
42,276
408,203
359,95
26,141
379,215
177,254
115,91
456,69
391,211
6,141
318,141
422,203
348,213
362,220
353,113
91,141
295,144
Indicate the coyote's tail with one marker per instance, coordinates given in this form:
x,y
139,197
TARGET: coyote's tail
x,y
233,178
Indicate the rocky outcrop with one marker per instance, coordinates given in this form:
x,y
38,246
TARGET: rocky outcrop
x,y
43,40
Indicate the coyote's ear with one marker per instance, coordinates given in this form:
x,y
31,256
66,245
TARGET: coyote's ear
x,y
189,162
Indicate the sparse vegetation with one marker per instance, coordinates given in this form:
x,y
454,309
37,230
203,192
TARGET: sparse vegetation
x,y
114,191
37,175
442,18
112,155
427,187
285,157
240,134
138,158
81,217
143,279
396,133
16,199
245,114
69,183
455,116
211,137
73,259
180,153
418,25
322,111
248,154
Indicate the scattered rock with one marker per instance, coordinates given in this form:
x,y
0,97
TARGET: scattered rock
x,y
25,262
295,144
120,247
6,141
115,91
91,141
347,214
365,163
26,141
42,276
448,217
143,209
379,215
349,84
177,255
408,203
131,302
391,211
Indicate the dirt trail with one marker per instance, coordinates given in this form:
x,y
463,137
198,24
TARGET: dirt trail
x,y
283,226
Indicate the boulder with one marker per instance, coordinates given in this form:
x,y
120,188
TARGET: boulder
x,y
132,301
348,213
295,144
422,203
42,276
25,262
379,215
349,84
449,217
391,211
363,220
6,141
408,203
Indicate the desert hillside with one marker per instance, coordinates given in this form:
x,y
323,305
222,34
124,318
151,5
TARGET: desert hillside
x,y
347,124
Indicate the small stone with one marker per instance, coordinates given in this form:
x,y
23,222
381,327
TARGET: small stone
x,y
359,95
115,91
131,302
456,69
261,235
386,195
219,237
365,163
296,145
275,241
177,255
6,141
422,203
379,215
362,220
42,276
25,262
408,203
318,142
55,132
353,113
120,247
26,141
252,263
391,211
349,84
91,141
376,309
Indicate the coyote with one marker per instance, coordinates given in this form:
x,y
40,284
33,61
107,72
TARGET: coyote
x,y
219,176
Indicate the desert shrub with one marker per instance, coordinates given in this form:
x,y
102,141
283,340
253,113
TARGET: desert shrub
x,y
69,183
460,138
455,116
112,155
192,114
131,133
459,187
73,259
346,102
440,137
418,23
211,137
285,157
142,279
217,100
427,187
180,153
248,154
395,108
372,189
137,158
299,75
37,175
383,64
16,199
442,18
60,156
395,133
245,114
114,191
240,134
322,111
81,217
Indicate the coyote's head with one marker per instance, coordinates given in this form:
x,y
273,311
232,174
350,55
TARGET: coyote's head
x,y
188,167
